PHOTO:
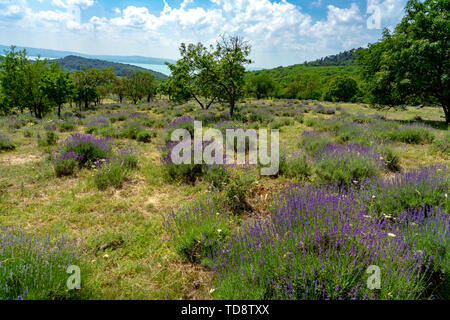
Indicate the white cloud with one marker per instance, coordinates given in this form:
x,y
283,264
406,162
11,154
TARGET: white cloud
x,y
280,32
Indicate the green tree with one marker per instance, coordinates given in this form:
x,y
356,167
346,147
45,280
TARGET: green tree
x,y
92,85
188,80
228,68
139,85
341,88
120,88
85,87
262,86
57,86
12,77
104,82
149,86
218,71
412,64
35,98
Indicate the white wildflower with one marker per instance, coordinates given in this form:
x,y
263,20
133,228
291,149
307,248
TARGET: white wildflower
x,y
391,235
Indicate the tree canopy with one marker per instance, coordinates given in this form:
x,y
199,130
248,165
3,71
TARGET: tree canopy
x,y
412,64
215,72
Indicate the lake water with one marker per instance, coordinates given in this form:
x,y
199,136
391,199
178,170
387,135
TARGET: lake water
x,y
155,67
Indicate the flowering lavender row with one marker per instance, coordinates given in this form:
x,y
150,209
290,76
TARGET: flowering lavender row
x,y
79,139
177,121
317,244
352,149
66,156
423,187
32,267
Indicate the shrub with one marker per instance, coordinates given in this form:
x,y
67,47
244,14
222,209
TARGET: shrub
x,y
323,110
442,144
114,170
96,125
186,172
425,187
90,147
131,130
66,126
199,230
218,176
391,159
108,132
14,124
282,122
66,163
110,173
347,164
412,134
236,191
34,267
27,133
127,158
144,136
313,141
428,230
6,143
118,117
51,139
296,166
300,118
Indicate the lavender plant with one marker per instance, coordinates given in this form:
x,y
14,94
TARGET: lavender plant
x,y
318,244
347,164
33,267
425,187
66,163
90,147
199,230
6,143
114,170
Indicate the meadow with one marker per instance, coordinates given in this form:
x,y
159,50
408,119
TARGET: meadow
x,y
356,187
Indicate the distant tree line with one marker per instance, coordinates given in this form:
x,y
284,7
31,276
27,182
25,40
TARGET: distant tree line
x,y
40,87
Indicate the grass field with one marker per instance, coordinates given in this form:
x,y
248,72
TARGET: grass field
x,y
124,248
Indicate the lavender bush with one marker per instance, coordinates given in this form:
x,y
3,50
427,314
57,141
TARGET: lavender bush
x,y
6,143
199,230
66,163
33,267
114,170
318,244
90,147
424,187
347,164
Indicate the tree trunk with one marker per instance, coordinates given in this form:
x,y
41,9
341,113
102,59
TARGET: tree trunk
x,y
447,114
231,106
199,102
210,103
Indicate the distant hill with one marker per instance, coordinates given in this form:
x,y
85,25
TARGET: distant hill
x,y
324,68
74,63
345,58
55,54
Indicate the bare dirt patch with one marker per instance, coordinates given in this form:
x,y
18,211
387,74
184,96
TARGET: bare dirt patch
x,y
19,159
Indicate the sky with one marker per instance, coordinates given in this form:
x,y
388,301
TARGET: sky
x,y
281,33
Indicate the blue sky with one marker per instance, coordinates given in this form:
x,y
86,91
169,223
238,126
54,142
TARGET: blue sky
x,y
282,32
